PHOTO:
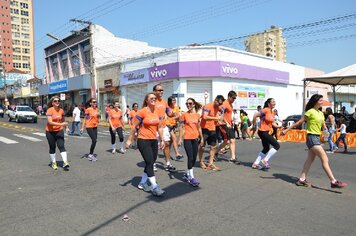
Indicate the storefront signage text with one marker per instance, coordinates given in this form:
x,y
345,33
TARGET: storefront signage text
x,y
58,86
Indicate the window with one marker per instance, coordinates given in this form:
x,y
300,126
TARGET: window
x,y
25,21
25,58
26,50
26,65
23,5
14,11
15,34
16,49
15,19
17,65
15,27
25,36
15,42
16,57
24,13
25,28
25,43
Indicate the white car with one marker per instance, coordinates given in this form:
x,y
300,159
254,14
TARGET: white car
x,y
22,114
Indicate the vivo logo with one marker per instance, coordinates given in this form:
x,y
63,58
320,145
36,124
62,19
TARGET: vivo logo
x,y
229,69
158,73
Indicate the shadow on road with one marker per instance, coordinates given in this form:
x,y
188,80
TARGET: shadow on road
x,y
173,191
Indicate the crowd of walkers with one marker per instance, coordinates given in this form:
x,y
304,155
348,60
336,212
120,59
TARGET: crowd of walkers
x,y
155,126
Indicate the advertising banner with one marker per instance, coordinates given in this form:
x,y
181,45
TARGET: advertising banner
x,y
134,77
58,86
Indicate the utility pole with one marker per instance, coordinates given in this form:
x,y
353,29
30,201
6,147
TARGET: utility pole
x,y
94,83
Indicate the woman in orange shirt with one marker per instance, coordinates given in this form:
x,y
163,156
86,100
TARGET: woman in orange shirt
x,y
116,126
150,123
267,121
190,127
131,119
91,122
171,123
55,133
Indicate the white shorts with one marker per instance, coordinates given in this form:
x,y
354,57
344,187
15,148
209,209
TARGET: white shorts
x,y
166,134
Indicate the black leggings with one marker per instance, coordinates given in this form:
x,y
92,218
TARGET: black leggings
x,y
119,132
236,128
93,134
274,134
54,137
191,148
267,140
149,150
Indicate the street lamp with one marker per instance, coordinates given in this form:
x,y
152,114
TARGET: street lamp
x,y
92,75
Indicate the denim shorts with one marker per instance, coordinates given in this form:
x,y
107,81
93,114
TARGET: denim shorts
x,y
312,140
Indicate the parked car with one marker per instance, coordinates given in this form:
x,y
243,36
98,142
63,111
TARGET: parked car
x,y
22,114
1,112
291,120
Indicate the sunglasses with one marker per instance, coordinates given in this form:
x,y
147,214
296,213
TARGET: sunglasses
x,y
93,102
189,103
55,100
159,90
233,98
154,99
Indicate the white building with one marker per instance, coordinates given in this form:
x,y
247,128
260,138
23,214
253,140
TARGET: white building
x,y
191,71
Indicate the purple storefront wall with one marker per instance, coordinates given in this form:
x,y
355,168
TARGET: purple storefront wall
x,y
206,69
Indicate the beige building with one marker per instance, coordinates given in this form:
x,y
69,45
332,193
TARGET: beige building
x,y
17,36
269,43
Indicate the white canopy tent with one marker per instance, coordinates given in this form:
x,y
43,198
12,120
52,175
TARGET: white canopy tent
x,y
344,76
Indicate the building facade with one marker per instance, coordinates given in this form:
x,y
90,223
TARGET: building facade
x,y
269,43
17,36
195,72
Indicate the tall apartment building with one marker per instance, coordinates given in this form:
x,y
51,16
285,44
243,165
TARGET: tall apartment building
x,y
17,36
269,43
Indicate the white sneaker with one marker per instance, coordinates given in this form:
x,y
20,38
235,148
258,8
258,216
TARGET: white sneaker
x,y
113,151
155,167
122,151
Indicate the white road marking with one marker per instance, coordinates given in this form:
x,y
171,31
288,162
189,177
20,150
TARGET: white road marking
x,y
7,141
40,134
28,137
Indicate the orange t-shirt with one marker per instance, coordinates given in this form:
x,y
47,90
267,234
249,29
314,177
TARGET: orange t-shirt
x,y
57,116
172,121
161,109
210,110
115,118
267,118
149,122
191,125
227,109
132,116
91,117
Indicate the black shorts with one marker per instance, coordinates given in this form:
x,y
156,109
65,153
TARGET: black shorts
x,y
170,128
227,133
209,137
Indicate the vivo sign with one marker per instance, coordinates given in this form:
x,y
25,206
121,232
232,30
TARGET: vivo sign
x,y
156,74
227,69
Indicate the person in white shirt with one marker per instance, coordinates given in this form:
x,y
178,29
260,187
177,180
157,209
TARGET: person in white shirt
x,y
342,136
236,120
76,120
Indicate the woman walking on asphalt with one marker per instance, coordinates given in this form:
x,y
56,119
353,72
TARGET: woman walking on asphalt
x,y
190,128
116,123
331,125
150,123
315,122
55,133
91,122
267,121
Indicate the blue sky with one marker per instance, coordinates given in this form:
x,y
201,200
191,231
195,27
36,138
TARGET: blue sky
x,y
169,24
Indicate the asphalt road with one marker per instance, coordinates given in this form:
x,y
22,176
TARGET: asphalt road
x,y
92,198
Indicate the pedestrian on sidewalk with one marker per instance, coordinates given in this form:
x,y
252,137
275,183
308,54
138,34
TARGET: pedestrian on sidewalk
x,y
76,120
266,123
91,122
116,127
193,138
342,136
55,133
150,124
315,122
255,127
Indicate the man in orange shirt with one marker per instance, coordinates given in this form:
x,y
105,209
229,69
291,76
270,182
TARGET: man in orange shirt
x,y
227,128
162,109
210,118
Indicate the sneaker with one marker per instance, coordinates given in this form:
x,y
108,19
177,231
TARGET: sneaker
x,y
91,157
213,167
329,152
256,167
155,167
194,182
122,151
179,158
235,161
66,165
202,165
170,168
186,177
157,191
113,151
338,184
54,165
266,164
303,183
144,186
